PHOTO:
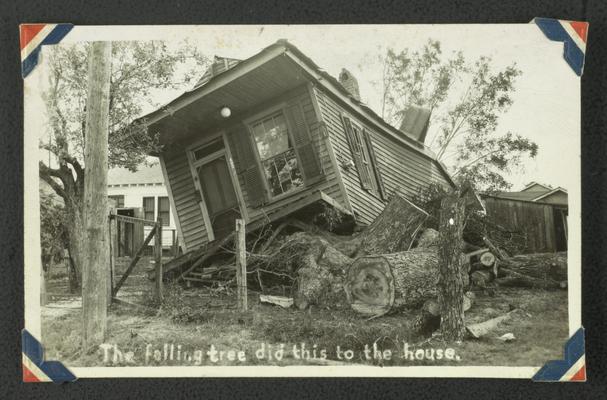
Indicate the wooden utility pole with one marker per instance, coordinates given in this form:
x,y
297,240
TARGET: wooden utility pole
x,y
241,265
95,268
450,281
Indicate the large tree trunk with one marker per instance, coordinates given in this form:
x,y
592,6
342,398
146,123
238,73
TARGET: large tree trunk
x,y
76,233
95,266
450,282
394,230
323,263
320,270
376,284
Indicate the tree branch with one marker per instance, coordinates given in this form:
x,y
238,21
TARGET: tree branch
x,y
474,162
47,174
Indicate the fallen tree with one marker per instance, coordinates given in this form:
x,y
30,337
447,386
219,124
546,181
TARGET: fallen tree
x,y
543,266
377,284
323,263
394,230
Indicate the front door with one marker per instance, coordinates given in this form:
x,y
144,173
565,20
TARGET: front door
x,y
219,195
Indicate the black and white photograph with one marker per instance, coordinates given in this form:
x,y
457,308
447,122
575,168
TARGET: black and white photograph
x,y
303,200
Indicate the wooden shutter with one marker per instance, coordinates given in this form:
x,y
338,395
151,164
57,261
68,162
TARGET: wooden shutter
x,y
302,143
380,183
246,165
355,142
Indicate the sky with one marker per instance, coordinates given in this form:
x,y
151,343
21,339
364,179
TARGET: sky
x,y
546,103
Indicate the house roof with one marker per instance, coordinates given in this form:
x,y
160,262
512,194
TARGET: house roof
x,y
536,195
549,193
536,186
214,80
219,65
144,175
525,196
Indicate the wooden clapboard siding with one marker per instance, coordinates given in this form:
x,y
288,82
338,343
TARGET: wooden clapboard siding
x,y
186,199
402,169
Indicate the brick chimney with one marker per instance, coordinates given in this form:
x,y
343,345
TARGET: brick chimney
x,y
416,122
349,82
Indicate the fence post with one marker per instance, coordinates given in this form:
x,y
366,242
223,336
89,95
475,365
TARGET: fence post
x,y
174,244
113,227
241,265
158,259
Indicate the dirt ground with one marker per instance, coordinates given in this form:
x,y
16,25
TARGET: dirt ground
x,y
201,326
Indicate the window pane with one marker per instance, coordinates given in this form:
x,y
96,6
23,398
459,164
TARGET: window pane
x,y
283,173
271,136
148,208
118,200
208,149
163,210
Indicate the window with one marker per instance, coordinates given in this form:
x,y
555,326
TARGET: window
x,y
163,210
208,149
148,208
276,153
364,157
118,200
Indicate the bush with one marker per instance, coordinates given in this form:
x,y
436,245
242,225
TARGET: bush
x,y
53,232
175,306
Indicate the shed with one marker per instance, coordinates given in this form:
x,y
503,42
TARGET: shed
x,y
538,211
261,138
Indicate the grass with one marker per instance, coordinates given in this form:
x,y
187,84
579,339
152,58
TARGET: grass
x,y
198,318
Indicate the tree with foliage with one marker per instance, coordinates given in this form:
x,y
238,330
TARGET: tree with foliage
x,y
52,230
466,99
138,69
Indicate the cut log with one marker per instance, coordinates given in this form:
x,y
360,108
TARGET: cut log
x,y
481,278
514,279
497,252
428,320
378,283
428,238
545,266
487,259
432,307
393,230
481,329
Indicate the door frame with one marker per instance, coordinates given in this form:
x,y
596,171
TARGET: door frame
x,y
194,164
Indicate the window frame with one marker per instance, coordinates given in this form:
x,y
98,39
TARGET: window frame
x,y
145,211
167,221
115,197
249,122
358,133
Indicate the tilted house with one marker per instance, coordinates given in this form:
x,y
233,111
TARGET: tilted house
x,y
269,135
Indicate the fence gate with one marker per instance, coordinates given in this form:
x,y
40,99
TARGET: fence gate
x,y
123,223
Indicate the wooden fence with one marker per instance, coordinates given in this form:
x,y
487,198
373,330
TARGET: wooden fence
x,y
115,221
